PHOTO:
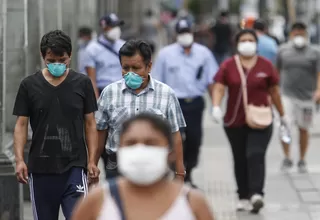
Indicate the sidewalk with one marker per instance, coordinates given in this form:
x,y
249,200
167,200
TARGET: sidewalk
x,y
289,196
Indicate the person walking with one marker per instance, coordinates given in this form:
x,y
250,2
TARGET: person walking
x,y
267,46
299,65
101,62
60,104
250,80
101,59
137,92
84,38
145,144
188,68
222,32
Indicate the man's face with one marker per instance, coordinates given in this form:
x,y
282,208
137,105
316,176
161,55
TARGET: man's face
x,y
135,64
85,38
298,32
50,57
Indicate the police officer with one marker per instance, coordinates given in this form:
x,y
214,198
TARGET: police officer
x,y
101,58
102,63
188,68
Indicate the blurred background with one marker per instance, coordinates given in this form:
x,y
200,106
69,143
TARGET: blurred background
x,y
23,22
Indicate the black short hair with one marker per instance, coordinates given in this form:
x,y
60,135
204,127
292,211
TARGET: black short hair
x,y
57,41
246,31
299,26
224,13
84,31
157,122
149,12
132,47
259,25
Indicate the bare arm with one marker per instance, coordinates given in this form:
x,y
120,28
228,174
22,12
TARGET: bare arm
x,y
92,75
102,138
89,208
218,93
276,99
178,153
20,137
200,206
210,90
91,137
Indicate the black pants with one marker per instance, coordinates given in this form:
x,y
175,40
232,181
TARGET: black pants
x,y
49,191
104,155
192,112
249,148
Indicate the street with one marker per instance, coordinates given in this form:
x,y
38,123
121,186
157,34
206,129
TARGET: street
x,y
288,196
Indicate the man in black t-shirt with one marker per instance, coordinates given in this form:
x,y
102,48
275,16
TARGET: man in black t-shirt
x,y
223,37
60,104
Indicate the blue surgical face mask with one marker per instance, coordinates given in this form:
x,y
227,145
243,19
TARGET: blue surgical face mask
x,y
133,80
57,69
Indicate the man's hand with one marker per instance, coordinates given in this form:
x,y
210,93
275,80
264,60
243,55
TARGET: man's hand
x,y
22,172
94,173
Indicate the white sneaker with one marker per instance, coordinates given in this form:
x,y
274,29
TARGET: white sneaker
x,y
244,205
257,203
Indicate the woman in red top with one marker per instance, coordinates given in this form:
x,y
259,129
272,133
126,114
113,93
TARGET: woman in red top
x,y
248,145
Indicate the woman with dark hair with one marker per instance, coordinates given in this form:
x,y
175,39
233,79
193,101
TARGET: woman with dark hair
x,y
250,80
144,191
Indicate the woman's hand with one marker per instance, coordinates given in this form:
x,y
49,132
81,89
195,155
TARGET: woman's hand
x,y
216,114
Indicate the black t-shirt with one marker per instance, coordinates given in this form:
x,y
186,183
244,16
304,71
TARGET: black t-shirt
x,y
57,116
223,34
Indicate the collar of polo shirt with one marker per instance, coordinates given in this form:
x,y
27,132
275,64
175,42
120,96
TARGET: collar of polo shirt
x,y
104,40
182,49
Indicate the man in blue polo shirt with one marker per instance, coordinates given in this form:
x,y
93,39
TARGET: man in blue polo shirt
x,y
267,46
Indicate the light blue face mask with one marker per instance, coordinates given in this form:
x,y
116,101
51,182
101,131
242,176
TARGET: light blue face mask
x,y
133,80
57,69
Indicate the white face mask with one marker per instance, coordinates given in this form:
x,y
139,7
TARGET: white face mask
x,y
143,165
299,41
247,48
113,34
185,39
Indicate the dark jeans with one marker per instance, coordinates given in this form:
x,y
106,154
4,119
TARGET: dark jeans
x,y
249,147
104,155
192,112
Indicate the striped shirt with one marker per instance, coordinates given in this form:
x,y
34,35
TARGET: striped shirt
x,y
117,103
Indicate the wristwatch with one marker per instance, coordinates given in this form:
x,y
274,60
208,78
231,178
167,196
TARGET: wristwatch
x,y
181,174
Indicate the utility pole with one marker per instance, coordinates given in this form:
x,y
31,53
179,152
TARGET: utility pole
x,y
11,196
263,9
291,11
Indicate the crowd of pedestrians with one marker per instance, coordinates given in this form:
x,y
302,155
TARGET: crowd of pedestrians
x,y
142,115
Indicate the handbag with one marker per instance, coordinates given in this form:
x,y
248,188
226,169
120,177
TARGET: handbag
x,y
257,117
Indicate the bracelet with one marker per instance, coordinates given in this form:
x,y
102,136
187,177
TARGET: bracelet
x,y
181,174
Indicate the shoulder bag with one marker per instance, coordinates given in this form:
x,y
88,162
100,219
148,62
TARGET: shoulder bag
x,y
257,117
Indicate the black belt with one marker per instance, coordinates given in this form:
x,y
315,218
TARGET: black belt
x,y
189,100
